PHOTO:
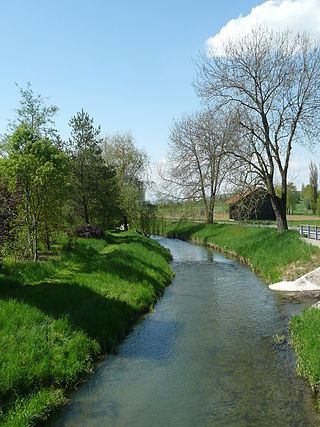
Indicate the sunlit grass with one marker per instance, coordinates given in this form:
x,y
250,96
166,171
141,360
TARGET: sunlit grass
x,y
305,338
56,316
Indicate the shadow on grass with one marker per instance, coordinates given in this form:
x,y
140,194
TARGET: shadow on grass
x,y
120,263
104,319
148,243
185,231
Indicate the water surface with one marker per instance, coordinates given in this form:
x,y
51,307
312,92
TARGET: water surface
x,y
204,357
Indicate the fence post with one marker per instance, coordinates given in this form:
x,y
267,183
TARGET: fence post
x,y
309,231
301,230
316,232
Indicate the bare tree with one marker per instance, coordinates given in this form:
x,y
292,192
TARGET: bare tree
x,y
196,158
272,81
313,180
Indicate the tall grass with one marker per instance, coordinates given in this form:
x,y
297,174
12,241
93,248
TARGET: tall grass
x,y
268,252
56,316
305,338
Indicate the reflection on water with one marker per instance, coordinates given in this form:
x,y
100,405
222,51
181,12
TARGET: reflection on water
x,y
204,357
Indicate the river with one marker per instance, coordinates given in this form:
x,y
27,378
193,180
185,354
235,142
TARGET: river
x,y
204,357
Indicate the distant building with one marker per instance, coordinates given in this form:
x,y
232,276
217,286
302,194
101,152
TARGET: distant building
x,y
251,205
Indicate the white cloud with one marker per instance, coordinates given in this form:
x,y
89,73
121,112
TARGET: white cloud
x,y
298,15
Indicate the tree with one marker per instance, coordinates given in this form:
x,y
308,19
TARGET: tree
x,y
271,80
307,194
33,148
313,180
196,159
292,196
34,114
130,164
39,167
94,189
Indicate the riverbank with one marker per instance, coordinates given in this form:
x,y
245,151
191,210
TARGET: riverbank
x,y
273,257
205,356
58,315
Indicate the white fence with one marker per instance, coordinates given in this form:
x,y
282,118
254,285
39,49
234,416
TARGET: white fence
x,y
310,231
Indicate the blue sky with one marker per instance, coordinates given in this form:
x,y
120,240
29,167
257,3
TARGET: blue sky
x,y
128,63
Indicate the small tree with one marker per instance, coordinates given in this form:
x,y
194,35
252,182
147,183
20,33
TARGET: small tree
x,y
39,167
35,115
313,180
307,195
292,196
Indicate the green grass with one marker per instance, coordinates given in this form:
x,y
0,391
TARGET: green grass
x,y
267,252
305,338
57,315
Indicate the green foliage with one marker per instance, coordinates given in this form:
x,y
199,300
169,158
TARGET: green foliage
x,y
39,167
306,195
56,316
94,188
35,115
293,196
130,165
266,249
147,218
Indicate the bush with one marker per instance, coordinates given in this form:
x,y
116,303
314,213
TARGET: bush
x,y
88,231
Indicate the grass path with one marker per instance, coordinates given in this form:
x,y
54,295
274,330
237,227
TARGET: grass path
x,y
57,316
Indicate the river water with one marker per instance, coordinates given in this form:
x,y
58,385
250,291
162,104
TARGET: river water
x,y
204,357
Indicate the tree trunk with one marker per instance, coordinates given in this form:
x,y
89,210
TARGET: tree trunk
x,y
47,232
35,230
280,212
85,211
210,218
125,222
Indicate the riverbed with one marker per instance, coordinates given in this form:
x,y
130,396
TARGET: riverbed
x,y
204,357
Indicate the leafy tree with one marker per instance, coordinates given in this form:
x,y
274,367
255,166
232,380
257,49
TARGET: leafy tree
x,y
35,115
307,194
39,167
292,196
313,180
94,188
130,164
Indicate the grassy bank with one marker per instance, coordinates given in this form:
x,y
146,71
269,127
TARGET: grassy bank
x,y
57,315
305,338
270,255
